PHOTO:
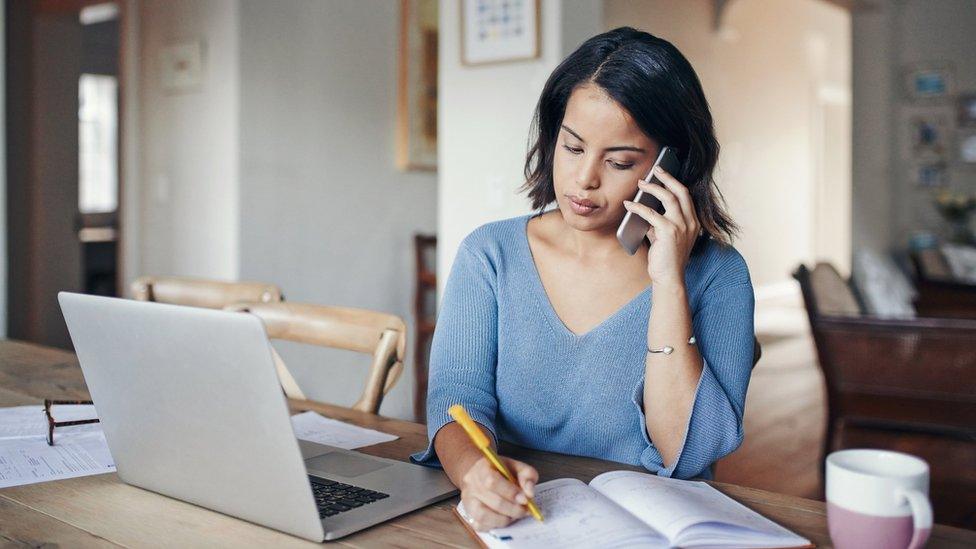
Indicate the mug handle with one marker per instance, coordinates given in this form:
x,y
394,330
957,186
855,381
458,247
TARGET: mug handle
x,y
922,516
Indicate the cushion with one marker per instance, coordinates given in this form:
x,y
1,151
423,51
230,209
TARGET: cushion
x,y
831,293
962,262
886,291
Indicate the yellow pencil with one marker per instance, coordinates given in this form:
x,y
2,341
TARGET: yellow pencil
x,y
479,439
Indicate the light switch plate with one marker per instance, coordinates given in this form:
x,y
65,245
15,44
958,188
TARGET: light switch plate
x,y
182,67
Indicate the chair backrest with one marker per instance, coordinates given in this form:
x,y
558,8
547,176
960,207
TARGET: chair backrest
x,y
214,294
381,335
830,293
424,316
893,371
756,351
197,292
931,264
825,295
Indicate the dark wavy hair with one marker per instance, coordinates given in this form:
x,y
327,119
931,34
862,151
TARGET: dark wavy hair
x,y
649,78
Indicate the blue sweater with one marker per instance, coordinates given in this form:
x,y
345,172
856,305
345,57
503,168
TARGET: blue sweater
x,y
500,350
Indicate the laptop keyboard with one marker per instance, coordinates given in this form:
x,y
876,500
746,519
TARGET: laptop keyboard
x,y
333,497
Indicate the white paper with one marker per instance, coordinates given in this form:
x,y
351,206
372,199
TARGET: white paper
x,y
26,460
26,457
313,427
30,421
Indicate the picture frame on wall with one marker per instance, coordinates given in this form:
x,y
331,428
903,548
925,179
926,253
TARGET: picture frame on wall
x,y
966,109
926,133
931,175
933,81
499,31
416,120
967,147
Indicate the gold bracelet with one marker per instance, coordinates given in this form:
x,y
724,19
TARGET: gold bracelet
x,y
667,349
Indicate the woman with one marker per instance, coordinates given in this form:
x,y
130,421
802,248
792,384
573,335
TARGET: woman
x,y
550,334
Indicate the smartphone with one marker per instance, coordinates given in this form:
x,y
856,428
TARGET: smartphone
x,y
633,228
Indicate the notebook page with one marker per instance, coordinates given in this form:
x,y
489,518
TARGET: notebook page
x,y
673,506
575,516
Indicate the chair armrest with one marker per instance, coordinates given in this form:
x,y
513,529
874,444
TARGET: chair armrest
x,y
927,358
964,326
920,371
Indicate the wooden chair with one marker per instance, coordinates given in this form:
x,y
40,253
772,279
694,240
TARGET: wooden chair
x,y
381,335
900,375
424,306
902,384
197,292
215,294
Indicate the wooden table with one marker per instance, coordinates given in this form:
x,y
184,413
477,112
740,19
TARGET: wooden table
x,y
101,511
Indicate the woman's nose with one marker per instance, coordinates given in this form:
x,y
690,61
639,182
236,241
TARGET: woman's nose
x,y
588,176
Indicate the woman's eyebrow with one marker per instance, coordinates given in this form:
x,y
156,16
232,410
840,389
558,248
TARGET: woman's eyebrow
x,y
608,149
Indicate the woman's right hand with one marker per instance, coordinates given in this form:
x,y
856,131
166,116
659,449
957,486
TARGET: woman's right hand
x,y
490,500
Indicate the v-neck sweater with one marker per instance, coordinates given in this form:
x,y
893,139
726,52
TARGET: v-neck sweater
x,y
500,349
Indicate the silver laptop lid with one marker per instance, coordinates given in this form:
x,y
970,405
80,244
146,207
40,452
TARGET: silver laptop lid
x,y
191,407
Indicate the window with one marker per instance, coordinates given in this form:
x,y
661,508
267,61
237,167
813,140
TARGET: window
x,y
98,189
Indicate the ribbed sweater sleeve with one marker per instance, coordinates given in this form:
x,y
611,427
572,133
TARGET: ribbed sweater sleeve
x,y
723,327
464,349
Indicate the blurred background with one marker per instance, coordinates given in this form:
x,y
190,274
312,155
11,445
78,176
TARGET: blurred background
x,y
341,149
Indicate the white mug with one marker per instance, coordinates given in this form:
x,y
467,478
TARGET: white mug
x,y
878,499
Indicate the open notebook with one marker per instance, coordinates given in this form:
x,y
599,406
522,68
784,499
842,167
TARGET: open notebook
x,y
624,508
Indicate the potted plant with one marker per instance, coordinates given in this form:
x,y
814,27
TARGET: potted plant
x,y
956,208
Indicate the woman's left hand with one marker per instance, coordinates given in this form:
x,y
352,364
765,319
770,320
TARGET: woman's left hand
x,y
673,234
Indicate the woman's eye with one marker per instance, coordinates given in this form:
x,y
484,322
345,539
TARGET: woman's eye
x,y
620,166
573,150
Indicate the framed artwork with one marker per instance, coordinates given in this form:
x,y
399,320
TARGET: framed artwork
x,y
967,147
416,140
926,133
496,31
929,82
931,175
967,109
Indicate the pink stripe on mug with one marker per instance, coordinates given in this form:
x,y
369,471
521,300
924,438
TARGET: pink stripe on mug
x,y
878,499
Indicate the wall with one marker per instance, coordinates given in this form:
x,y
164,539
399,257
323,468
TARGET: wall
x,y
42,192
889,40
17,120
770,74
324,212
130,174
873,128
189,157
484,113
3,177
280,168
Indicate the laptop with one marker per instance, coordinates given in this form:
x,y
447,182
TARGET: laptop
x,y
192,408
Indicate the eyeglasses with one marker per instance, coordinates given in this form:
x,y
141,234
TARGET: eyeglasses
x,y
51,424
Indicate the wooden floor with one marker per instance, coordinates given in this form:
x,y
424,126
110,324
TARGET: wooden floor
x,y
784,426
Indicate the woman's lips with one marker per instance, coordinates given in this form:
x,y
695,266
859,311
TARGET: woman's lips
x,y
582,206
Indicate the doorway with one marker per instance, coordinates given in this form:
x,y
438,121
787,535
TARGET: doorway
x,y
62,103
